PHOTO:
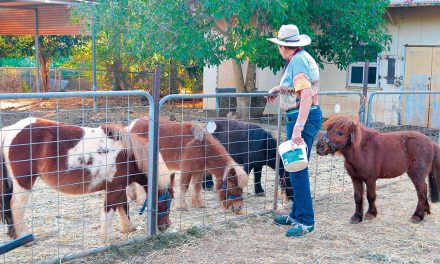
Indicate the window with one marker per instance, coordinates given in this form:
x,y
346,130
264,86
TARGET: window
x,y
356,74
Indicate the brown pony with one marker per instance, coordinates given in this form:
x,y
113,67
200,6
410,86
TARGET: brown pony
x,y
370,155
75,160
187,148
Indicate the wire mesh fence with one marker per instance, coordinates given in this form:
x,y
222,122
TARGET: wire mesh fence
x,y
202,144
23,79
198,140
60,144
397,111
327,174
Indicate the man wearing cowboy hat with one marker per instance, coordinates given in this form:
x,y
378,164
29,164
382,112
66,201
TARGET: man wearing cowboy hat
x,y
298,91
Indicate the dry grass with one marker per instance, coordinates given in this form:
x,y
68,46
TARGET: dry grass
x,y
390,238
68,224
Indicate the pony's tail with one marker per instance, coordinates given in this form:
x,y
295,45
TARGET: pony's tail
x,y
5,194
434,176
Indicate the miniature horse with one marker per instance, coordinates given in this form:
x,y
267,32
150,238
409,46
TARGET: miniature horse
x,y
251,146
187,148
75,160
370,155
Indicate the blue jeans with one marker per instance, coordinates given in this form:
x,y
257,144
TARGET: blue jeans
x,y
302,206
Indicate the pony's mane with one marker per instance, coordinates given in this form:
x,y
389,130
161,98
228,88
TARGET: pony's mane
x,y
217,149
137,146
344,123
348,125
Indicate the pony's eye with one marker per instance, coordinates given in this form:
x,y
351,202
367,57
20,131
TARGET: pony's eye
x,y
340,133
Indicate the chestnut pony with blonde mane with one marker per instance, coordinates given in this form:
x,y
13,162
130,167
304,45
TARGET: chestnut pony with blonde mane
x,y
187,148
75,160
370,155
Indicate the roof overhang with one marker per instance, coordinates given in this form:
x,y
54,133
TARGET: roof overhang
x,y
19,17
414,3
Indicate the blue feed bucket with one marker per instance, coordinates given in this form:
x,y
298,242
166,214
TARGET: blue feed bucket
x,y
293,160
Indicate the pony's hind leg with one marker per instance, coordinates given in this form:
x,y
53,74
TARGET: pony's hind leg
x,y
196,187
422,195
259,191
180,202
19,199
371,197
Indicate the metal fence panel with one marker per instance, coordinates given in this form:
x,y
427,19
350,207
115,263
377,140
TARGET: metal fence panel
x,y
69,225
66,224
405,110
327,174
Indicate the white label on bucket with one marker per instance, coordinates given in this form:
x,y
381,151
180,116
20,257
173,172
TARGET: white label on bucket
x,y
211,127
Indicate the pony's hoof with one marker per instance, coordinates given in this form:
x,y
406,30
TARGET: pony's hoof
x,y
415,219
128,230
110,236
30,244
369,217
355,219
180,208
198,205
260,194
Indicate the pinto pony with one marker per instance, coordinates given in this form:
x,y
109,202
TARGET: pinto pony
x,y
370,155
187,148
74,160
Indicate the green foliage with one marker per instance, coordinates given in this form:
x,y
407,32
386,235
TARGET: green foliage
x,y
25,87
205,32
16,46
53,47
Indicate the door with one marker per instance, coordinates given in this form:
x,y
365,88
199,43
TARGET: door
x,y
434,115
422,70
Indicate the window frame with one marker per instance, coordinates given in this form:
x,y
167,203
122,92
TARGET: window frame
x,y
362,64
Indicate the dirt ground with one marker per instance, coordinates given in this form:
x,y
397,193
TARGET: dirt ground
x,y
70,224
390,238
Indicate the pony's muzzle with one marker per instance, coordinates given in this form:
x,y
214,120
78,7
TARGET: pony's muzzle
x,y
320,148
164,226
236,208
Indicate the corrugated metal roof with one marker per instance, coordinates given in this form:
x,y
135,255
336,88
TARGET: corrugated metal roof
x,y
413,3
18,17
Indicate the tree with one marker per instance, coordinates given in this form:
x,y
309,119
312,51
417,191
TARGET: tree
x,y
209,31
51,48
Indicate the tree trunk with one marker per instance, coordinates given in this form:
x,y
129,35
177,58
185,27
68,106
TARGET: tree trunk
x,y
174,84
242,110
119,78
44,72
244,106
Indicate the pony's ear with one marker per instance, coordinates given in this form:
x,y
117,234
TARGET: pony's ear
x,y
356,134
111,130
232,172
172,177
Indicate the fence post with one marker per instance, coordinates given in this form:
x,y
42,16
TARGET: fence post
x,y
277,161
94,59
153,135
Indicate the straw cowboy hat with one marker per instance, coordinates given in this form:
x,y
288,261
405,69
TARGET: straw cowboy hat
x,y
288,35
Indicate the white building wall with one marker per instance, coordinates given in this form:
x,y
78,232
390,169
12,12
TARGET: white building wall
x,y
209,85
409,26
